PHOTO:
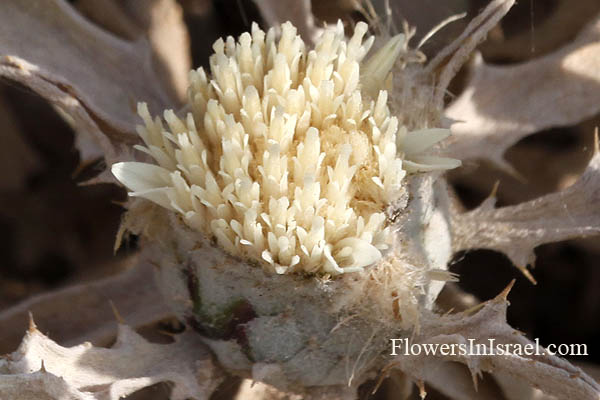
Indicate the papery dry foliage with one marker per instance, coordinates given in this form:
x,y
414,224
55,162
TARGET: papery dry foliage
x,y
94,78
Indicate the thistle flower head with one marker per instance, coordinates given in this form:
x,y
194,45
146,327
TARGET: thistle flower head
x,y
289,156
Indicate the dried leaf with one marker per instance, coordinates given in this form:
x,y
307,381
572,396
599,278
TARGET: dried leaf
x,y
453,299
515,388
109,374
111,15
89,74
549,373
40,385
517,230
590,368
454,381
255,390
299,13
425,16
545,164
544,28
161,22
91,141
251,390
168,35
17,159
502,104
397,387
83,311
453,56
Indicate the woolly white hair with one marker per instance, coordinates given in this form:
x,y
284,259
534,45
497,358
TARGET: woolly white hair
x,y
289,156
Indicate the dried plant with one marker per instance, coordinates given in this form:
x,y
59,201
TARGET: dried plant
x,y
293,209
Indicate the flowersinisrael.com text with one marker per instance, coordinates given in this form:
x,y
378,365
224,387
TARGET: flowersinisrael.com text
x,y
402,346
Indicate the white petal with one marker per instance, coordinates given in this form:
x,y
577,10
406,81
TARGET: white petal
x,y
140,177
418,141
430,163
363,253
161,196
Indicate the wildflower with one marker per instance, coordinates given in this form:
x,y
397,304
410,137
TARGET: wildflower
x,y
289,155
216,170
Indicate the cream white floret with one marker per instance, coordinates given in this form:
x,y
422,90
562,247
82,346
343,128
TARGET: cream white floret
x,y
289,156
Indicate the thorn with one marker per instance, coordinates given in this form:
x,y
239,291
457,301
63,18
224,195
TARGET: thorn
x,y
119,237
596,141
439,26
475,380
83,164
342,323
504,166
382,375
118,316
448,312
78,169
32,326
380,380
527,274
494,190
43,368
474,309
504,294
489,203
167,333
422,392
